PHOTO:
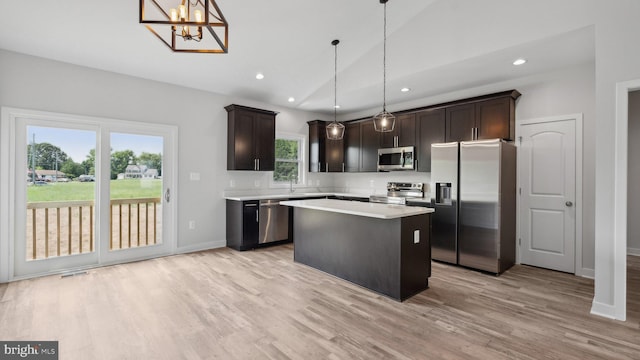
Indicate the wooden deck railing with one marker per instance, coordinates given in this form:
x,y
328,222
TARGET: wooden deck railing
x,y
124,208
58,228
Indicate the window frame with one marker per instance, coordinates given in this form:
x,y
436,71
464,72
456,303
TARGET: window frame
x,y
302,160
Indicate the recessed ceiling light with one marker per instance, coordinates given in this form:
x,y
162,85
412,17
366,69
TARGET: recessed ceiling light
x,y
405,89
291,99
519,62
259,76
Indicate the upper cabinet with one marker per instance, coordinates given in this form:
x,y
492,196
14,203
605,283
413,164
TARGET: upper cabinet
x,y
489,118
324,155
251,135
403,134
484,117
352,147
369,145
431,130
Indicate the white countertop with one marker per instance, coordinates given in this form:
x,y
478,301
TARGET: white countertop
x,y
380,211
292,195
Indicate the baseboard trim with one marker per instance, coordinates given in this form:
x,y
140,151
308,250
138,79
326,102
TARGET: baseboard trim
x,y
202,246
604,310
587,273
633,251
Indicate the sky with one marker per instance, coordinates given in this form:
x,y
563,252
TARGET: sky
x,y
77,143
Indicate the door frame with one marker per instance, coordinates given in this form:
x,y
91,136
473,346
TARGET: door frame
x,y
578,119
8,119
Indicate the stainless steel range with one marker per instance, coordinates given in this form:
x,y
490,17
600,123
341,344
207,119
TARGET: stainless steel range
x,y
399,192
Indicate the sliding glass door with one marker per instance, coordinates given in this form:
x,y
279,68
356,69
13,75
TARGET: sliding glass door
x,y
87,192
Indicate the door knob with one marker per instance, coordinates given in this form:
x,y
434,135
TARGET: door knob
x,y
569,204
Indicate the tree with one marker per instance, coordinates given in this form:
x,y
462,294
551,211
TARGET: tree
x,y
47,156
152,161
72,169
286,166
89,164
120,160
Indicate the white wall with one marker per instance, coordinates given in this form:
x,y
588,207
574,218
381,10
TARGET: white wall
x,y
633,204
618,56
40,84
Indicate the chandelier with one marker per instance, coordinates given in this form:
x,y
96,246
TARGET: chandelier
x,y
335,130
384,121
187,25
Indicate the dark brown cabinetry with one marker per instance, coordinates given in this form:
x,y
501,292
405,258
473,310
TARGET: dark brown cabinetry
x,y
461,122
495,119
431,130
369,145
352,147
251,137
324,155
403,134
486,119
243,224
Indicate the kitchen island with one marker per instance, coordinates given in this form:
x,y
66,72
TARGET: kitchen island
x,y
382,247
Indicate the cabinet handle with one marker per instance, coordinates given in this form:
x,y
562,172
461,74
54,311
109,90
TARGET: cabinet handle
x,y
258,164
342,167
395,141
318,166
255,164
473,133
326,167
257,218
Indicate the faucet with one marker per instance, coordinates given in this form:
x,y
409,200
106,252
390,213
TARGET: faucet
x,y
291,177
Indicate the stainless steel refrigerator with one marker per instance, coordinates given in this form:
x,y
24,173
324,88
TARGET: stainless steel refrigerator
x,y
474,193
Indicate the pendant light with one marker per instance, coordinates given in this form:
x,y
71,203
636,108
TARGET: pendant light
x,y
384,121
335,130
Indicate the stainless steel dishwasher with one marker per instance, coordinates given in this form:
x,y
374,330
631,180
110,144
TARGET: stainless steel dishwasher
x,y
274,221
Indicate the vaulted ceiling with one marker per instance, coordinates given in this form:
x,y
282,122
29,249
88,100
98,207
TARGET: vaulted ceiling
x,y
434,46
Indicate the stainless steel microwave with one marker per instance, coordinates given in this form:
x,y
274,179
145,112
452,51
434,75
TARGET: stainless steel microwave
x,y
399,158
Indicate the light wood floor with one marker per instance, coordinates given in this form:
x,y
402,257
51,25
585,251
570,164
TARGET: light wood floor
x,y
224,304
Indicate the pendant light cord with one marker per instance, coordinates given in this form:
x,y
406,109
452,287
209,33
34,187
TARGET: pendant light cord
x,y
384,62
335,83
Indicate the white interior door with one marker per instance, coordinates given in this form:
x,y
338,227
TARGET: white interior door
x,y
547,163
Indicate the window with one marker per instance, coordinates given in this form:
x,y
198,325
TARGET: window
x,y
289,159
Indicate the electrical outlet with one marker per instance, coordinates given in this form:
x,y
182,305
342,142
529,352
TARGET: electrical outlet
x,y
256,183
192,224
194,176
416,236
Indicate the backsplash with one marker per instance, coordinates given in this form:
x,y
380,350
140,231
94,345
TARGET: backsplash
x,y
376,183
256,182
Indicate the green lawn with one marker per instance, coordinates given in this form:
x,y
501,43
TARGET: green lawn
x,y
120,189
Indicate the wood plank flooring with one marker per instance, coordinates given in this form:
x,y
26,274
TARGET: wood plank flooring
x,y
224,304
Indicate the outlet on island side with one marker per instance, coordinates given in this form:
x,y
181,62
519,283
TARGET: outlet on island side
x,y
192,224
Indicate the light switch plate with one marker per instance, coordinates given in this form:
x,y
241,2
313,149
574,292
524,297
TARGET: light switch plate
x,y
194,176
416,236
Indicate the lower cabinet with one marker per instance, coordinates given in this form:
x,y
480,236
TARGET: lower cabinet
x,y
257,223
243,224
